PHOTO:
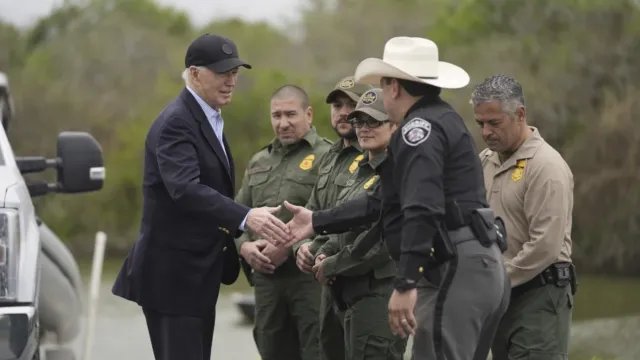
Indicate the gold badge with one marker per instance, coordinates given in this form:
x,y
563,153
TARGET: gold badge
x,y
307,162
370,182
369,97
354,164
347,84
517,173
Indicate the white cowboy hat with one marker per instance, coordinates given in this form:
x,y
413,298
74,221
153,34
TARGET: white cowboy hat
x,y
415,59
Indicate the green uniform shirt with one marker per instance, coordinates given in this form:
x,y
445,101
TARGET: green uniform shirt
x,y
338,248
282,172
337,167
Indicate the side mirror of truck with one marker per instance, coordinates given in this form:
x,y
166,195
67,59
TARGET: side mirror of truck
x,y
79,166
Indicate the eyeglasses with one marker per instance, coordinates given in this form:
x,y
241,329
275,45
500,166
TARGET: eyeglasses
x,y
368,120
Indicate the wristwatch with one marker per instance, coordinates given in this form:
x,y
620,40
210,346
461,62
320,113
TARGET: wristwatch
x,y
404,284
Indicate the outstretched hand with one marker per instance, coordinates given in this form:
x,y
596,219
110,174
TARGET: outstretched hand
x,y
300,226
263,222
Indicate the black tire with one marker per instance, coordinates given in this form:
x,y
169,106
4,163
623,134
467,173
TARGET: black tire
x,y
60,254
60,306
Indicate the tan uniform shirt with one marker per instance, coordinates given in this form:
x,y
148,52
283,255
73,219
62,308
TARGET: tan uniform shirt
x,y
532,192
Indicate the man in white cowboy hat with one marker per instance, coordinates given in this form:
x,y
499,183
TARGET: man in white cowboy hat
x,y
432,205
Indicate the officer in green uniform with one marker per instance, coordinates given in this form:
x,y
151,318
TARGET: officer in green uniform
x,y
287,300
366,282
340,163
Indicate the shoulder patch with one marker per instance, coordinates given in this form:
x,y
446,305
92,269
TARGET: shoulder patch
x,y
416,131
307,162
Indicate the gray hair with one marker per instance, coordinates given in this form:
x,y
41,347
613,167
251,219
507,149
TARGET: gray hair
x,y
186,75
501,88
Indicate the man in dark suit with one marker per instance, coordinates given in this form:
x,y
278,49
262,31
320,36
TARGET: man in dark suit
x,y
189,218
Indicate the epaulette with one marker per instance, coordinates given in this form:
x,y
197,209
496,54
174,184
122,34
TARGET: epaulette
x,y
327,140
484,155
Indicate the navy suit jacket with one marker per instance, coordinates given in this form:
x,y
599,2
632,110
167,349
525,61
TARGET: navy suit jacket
x,y
189,218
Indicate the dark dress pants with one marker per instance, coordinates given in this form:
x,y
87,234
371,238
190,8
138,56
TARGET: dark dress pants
x,y
176,337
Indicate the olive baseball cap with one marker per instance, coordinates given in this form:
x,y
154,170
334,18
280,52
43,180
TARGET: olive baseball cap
x,y
215,52
370,103
348,87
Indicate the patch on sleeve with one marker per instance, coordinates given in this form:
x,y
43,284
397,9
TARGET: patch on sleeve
x,y
416,131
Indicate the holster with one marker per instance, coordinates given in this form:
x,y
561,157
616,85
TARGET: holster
x,y
574,280
564,274
488,228
443,248
336,289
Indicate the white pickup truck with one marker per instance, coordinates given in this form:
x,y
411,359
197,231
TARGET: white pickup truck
x,y
40,286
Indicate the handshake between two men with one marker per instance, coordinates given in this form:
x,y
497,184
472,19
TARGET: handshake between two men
x,y
275,237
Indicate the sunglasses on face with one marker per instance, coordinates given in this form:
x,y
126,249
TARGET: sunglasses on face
x,y
367,120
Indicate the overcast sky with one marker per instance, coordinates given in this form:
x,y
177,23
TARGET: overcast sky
x,y
25,12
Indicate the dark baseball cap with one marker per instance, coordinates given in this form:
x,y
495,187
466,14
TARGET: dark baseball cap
x,y
348,86
216,52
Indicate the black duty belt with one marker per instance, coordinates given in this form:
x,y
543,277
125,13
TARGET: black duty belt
x,y
461,235
559,274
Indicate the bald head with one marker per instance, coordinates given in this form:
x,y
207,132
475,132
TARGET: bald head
x,y
291,92
291,115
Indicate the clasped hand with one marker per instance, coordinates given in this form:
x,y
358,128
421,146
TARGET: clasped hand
x,y
262,256
267,226
318,270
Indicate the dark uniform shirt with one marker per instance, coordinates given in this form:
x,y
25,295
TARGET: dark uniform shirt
x,y
431,170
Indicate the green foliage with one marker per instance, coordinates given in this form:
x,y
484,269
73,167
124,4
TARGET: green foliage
x,y
109,67
12,47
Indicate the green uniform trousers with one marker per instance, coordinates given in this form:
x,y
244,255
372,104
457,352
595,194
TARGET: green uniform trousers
x,y
331,330
366,321
536,326
286,316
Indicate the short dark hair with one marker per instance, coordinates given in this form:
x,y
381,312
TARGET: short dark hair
x,y
415,88
292,91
